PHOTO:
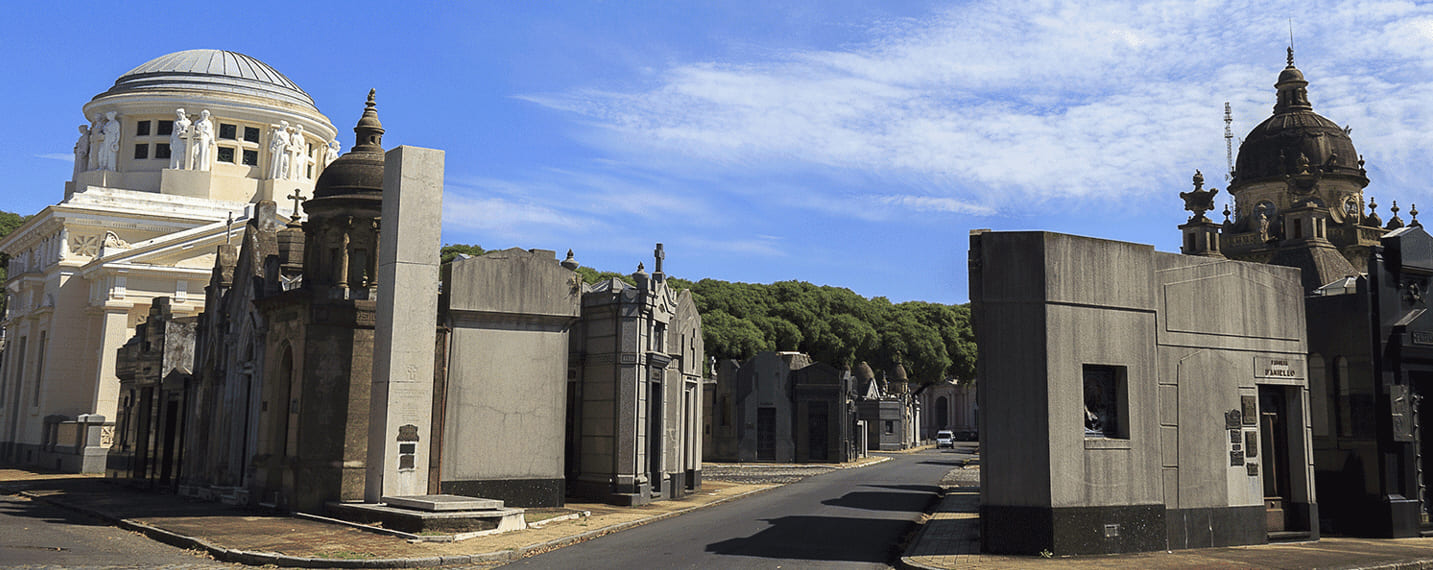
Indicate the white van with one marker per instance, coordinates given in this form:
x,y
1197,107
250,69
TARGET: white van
x,y
944,438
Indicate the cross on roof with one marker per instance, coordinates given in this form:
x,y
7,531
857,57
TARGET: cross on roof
x,y
296,198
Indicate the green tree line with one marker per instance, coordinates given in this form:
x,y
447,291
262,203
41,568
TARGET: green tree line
x,y
832,324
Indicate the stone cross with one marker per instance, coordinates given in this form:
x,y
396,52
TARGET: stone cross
x,y
660,255
296,198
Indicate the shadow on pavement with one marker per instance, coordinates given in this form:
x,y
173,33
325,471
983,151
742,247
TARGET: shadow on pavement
x,y
907,502
819,538
19,507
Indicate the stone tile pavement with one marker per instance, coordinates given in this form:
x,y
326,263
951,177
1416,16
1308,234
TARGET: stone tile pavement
x,y
950,538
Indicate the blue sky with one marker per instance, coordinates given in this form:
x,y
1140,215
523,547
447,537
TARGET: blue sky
x,y
844,143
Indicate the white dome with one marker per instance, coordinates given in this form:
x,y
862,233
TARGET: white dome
x,y
210,70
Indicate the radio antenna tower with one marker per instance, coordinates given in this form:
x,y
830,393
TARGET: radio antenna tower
x,y
1228,141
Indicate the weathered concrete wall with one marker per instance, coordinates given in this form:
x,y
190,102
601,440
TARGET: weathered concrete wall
x,y
1188,341
505,407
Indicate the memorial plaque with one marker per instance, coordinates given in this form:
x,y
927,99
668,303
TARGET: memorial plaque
x,y
1235,438
1278,367
1251,409
1251,443
1253,469
1400,412
1236,458
1233,419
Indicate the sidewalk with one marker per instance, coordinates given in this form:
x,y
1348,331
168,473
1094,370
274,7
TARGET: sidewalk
x,y
950,538
251,536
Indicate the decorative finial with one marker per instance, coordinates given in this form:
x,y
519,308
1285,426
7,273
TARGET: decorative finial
x,y
1414,212
1226,213
1394,222
570,262
368,133
1199,200
1291,53
1372,219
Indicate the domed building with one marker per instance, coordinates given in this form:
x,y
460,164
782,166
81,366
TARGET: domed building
x,y
1298,196
1298,192
169,166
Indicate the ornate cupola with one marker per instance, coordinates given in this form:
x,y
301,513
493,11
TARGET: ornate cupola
x,y
341,233
1297,188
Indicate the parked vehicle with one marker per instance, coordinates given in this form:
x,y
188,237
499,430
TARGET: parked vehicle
x,y
944,438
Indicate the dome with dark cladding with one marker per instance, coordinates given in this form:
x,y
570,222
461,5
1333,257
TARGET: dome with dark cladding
x,y
211,70
359,172
1295,139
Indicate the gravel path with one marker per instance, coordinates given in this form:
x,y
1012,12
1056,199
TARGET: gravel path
x,y
761,473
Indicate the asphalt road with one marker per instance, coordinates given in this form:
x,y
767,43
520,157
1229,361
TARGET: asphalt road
x,y
37,534
854,518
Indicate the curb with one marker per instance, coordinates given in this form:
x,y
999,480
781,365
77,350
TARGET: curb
x,y
271,558
908,562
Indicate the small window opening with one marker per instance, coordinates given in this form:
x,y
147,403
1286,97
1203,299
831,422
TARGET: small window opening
x,y
1106,404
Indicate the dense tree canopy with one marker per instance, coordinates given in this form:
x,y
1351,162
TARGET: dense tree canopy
x,y
836,326
833,325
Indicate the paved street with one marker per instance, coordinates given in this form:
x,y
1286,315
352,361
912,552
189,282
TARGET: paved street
x,y
851,518
36,534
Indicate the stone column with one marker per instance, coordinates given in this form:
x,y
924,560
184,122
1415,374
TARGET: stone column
x,y
114,332
399,425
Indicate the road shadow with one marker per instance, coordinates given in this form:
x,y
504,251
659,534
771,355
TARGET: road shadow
x,y
952,463
906,502
21,507
819,538
932,489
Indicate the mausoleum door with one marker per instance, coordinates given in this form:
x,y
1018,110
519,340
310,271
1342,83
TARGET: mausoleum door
x,y
1273,431
766,434
1422,385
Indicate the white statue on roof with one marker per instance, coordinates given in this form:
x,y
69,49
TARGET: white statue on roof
x,y
298,151
201,138
82,150
96,142
278,151
178,136
109,152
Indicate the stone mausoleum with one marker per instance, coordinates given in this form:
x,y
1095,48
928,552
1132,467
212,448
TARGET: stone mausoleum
x,y
169,164
782,407
1137,400
1298,201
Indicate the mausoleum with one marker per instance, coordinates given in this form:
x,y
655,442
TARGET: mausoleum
x,y
1136,400
168,166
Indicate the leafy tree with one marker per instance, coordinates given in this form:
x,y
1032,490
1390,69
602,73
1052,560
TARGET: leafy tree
x,y
9,222
591,276
451,252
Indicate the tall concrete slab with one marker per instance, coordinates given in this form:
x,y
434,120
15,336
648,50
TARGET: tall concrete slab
x,y
406,324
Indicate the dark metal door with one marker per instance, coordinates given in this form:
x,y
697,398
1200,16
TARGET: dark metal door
x,y
766,434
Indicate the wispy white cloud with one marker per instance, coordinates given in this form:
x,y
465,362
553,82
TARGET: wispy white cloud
x,y
61,156
991,106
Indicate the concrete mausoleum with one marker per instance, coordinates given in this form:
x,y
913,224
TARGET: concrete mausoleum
x,y
1136,400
